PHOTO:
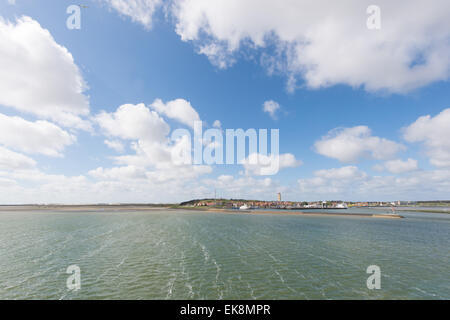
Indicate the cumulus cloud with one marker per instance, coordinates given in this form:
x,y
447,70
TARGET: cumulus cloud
x,y
260,164
344,173
127,172
434,133
321,43
350,183
225,178
147,130
218,54
140,11
10,160
135,177
332,181
351,144
33,137
398,166
27,184
115,145
35,186
136,173
134,122
271,107
39,76
153,149
178,109
243,187
7,183
325,43
182,173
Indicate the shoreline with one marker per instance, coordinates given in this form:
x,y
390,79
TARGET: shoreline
x,y
86,208
143,208
299,213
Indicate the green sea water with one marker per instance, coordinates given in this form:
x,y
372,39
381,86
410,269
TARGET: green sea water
x,y
196,255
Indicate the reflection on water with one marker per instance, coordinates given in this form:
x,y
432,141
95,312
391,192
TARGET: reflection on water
x,y
195,255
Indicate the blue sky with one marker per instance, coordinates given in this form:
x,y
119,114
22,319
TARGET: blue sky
x,y
124,59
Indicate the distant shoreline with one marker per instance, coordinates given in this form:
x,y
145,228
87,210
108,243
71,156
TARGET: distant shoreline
x,y
300,213
87,208
123,208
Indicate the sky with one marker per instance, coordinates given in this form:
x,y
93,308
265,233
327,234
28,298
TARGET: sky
x,y
360,98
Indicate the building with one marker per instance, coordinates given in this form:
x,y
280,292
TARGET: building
x,y
278,196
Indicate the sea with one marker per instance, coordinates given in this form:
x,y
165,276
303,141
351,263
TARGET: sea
x,y
188,254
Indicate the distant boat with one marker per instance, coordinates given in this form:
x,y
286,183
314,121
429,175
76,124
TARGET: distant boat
x,y
244,207
341,206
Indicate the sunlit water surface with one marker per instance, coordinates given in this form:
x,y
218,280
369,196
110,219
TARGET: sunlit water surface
x,y
196,255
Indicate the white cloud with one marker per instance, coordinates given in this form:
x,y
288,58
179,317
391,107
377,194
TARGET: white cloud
x,y
351,144
147,153
8,183
10,160
350,183
128,172
225,178
271,107
134,122
218,54
434,133
326,43
398,166
180,173
415,185
152,160
140,11
244,187
330,182
115,145
344,173
33,137
40,76
147,130
178,109
105,185
119,185
259,164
